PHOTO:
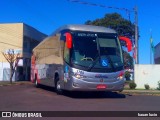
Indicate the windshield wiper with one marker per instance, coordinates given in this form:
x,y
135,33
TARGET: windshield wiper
x,y
98,56
109,58
94,62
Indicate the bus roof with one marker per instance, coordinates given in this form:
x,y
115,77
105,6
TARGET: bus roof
x,y
89,28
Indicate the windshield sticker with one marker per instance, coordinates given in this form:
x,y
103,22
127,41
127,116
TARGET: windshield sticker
x,y
104,62
66,69
66,76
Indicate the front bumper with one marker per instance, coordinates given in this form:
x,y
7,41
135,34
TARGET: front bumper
x,y
81,85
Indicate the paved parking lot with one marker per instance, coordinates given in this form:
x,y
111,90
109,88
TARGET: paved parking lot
x,y
26,97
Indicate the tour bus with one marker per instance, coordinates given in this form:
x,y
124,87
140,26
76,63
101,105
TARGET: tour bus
x,y
80,58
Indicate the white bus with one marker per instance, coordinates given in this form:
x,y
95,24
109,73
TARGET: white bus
x,y
80,58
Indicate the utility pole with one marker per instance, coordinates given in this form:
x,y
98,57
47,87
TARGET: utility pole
x,y
135,10
136,36
150,47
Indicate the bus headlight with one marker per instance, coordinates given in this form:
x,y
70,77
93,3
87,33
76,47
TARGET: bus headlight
x,y
78,76
121,75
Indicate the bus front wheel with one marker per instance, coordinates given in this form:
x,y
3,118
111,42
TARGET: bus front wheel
x,y
58,88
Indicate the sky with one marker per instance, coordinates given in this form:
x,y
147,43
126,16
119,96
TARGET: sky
x,y
48,15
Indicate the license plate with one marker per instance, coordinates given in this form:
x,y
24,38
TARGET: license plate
x,y
101,86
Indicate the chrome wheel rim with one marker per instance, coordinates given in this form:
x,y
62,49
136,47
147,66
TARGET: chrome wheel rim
x,y
58,86
36,83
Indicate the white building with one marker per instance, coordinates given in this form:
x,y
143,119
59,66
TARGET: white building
x,y
22,38
147,74
157,54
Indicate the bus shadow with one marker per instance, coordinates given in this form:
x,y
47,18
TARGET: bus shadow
x,y
50,89
88,95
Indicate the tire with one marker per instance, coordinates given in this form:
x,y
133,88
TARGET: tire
x,y
58,89
36,82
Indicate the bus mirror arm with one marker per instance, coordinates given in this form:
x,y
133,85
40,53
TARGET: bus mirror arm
x,y
127,41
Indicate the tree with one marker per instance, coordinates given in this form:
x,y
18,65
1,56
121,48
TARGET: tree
x,y
117,22
128,60
12,57
122,26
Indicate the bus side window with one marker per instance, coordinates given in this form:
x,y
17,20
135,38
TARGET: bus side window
x,y
66,53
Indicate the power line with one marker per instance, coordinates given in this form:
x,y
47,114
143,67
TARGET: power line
x,y
102,6
135,11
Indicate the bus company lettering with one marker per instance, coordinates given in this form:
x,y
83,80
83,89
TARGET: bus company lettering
x,y
101,76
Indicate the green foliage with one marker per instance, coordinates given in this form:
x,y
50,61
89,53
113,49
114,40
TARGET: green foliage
x,y
127,75
128,60
147,87
158,88
116,22
132,85
122,26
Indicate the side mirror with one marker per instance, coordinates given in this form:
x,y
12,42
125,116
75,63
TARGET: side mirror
x,y
127,41
69,40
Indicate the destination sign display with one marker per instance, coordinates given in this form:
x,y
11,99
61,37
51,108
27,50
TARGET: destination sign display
x,y
86,35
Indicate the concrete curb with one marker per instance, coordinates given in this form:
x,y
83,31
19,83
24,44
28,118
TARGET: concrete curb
x,y
142,92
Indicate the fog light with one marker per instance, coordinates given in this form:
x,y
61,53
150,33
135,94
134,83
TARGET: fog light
x,y
75,84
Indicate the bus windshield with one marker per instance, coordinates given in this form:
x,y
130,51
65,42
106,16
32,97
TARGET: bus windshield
x,y
97,51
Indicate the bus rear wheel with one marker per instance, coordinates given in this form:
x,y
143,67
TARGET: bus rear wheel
x,y
36,82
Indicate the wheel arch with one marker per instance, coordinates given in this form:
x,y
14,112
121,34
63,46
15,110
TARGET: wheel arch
x,y
56,76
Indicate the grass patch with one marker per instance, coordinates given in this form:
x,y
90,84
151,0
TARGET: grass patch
x,y
134,89
6,82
